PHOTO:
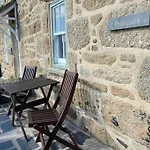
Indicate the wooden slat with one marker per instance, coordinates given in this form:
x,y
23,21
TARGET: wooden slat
x,y
44,117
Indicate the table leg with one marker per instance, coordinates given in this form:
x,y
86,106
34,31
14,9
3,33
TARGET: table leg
x,y
48,94
13,110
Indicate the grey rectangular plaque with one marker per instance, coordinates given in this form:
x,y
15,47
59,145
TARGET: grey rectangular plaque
x,y
130,21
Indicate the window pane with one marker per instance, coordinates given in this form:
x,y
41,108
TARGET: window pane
x,y
62,17
59,47
64,46
57,19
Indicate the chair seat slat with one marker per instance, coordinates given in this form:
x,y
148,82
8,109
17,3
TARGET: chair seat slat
x,y
42,116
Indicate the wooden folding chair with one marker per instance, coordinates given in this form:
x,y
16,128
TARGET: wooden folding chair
x,y
55,116
28,73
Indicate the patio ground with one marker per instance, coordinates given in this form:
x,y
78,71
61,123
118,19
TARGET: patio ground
x,y
11,138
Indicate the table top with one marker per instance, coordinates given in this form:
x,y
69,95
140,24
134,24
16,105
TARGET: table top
x,y
20,86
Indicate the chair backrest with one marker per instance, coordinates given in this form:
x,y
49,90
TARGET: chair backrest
x,y
65,95
29,72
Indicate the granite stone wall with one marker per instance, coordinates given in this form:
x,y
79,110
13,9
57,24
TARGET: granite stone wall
x,y
34,33
113,92
112,98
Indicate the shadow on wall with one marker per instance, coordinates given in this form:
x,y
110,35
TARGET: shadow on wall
x,y
89,100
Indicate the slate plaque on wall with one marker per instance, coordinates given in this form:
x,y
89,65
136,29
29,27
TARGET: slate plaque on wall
x,y
130,21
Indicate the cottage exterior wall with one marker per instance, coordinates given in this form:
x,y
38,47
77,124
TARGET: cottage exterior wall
x,y
112,98
119,63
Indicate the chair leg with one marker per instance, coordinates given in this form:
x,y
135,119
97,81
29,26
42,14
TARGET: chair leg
x,y
48,144
38,139
24,133
64,129
64,142
9,110
42,139
53,136
43,130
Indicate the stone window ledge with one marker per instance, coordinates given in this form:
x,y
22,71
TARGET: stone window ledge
x,y
47,0
55,71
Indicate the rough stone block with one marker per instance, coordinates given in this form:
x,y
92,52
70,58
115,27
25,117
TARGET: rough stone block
x,y
37,26
32,5
24,31
69,8
46,45
94,32
84,71
100,132
78,33
78,11
44,22
91,5
123,1
27,20
103,58
76,116
95,20
123,93
29,40
100,87
30,54
138,146
94,48
128,57
95,86
144,80
132,122
31,29
72,61
93,127
78,1
21,14
115,75
38,45
89,100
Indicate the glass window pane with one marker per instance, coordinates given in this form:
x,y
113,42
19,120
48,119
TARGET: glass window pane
x,y
62,17
64,46
57,20
60,46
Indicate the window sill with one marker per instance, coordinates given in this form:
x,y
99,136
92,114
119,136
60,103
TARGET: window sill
x,y
56,71
47,0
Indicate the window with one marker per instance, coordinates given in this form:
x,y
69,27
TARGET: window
x,y
58,33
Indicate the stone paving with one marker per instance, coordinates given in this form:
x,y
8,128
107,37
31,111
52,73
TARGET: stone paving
x,y
11,138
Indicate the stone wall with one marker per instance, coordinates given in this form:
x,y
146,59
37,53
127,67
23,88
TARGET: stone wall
x,y
34,33
112,95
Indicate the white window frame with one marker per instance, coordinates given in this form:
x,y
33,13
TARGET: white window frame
x,y
6,41
58,61
5,49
